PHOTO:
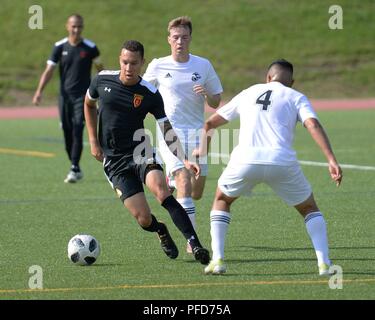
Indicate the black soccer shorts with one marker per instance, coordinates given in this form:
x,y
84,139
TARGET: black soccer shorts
x,y
126,176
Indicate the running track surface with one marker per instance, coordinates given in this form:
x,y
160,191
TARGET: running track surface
x,y
52,112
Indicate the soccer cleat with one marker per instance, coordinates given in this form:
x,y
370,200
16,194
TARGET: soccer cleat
x,y
169,185
167,243
201,254
324,270
73,177
189,249
216,267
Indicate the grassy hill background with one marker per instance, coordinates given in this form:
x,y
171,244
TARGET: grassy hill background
x,y
240,38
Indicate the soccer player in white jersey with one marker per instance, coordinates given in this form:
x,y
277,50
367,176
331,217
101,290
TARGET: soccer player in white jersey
x,y
186,82
269,113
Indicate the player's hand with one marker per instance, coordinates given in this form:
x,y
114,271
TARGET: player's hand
x,y
194,167
335,172
198,152
37,98
199,89
97,152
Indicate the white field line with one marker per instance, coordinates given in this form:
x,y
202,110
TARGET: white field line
x,y
344,166
309,163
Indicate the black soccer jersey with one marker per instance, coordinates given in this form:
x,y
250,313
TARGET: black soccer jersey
x,y
75,65
122,110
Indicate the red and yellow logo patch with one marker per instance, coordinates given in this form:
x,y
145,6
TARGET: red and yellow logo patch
x,y
83,54
137,100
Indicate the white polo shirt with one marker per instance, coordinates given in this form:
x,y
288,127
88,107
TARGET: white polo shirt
x,y
268,114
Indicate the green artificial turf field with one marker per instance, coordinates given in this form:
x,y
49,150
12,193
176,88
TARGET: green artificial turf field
x,y
268,252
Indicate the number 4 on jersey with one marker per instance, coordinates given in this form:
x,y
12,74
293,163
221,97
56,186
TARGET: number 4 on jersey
x,y
265,102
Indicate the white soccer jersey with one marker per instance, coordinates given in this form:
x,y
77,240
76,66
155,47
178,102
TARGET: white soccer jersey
x,y
183,107
268,114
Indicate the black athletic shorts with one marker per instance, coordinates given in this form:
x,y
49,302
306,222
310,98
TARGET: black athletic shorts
x,y
126,176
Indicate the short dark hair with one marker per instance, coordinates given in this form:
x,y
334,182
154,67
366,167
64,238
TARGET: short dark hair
x,y
283,64
134,46
183,21
76,16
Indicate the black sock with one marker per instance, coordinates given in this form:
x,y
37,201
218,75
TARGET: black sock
x,y
181,220
75,168
155,226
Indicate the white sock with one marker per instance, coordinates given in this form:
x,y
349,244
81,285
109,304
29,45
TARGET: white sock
x,y
219,225
316,228
189,206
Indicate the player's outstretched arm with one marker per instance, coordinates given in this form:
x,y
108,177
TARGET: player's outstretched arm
x,y
91,118
320,137
207,132
174,144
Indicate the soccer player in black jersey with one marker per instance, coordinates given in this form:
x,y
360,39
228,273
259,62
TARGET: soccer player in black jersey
x,y
75,56
117,138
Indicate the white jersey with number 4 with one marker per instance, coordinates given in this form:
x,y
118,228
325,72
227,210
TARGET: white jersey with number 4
x,y
268,114
175,80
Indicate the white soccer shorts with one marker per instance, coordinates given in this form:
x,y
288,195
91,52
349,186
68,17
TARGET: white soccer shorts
x,y
288,182
172,163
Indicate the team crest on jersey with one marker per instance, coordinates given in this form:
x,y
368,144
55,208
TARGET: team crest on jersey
x,y
195,76
137,100
83,54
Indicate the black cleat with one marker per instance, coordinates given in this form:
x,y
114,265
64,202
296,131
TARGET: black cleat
x,y
167,243
201,254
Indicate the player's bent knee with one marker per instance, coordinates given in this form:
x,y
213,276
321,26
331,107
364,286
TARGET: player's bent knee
x,y
196,195
162,194
160,191
222,201
307,206
182,179
221,196
144,220
181,174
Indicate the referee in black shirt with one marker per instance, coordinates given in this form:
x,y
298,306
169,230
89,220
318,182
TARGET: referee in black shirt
x,y
118,139
75,56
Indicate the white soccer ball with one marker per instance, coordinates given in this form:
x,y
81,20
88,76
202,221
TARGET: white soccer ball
x,y
83,249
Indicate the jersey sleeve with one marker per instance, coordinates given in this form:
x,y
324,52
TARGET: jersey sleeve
x,y
95,52
92,91
304,109
55,55
151,73
158,108
230,110
213,84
